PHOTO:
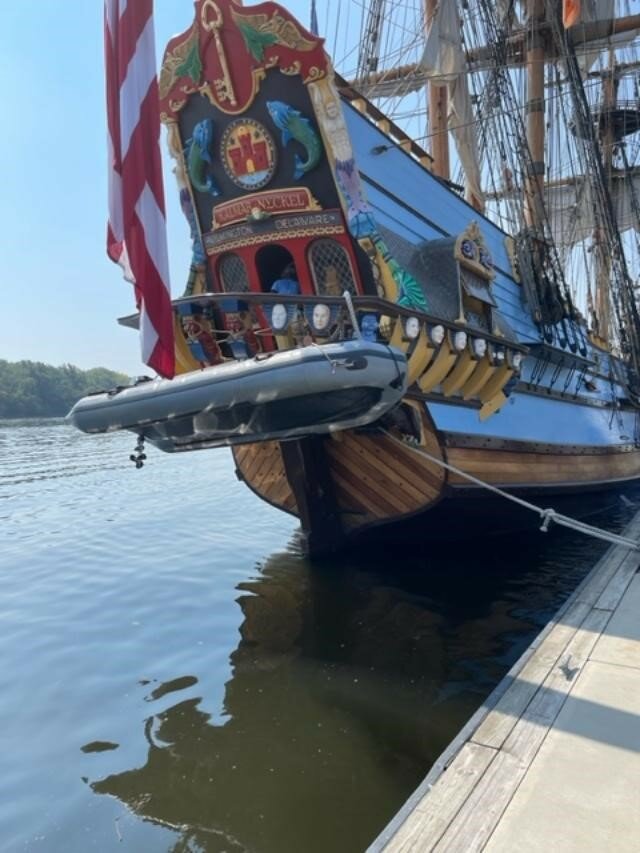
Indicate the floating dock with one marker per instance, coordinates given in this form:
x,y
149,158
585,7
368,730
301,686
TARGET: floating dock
x,y
551,761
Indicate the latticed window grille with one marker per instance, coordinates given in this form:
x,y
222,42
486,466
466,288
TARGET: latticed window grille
x,y
233,274
331,268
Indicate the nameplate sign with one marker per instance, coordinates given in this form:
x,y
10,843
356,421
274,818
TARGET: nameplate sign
x,y
281,228
268,203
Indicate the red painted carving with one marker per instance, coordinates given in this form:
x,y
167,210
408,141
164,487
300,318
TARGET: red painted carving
x,y
230,72
249,155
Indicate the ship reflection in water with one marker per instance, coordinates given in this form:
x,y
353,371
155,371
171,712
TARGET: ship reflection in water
x,y
348,681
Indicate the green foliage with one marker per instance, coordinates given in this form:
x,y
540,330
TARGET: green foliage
x,y
30,389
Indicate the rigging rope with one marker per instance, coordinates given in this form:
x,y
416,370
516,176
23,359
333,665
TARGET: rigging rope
x,y
547,515
621,292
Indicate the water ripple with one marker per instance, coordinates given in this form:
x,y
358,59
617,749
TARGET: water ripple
x,y
165,643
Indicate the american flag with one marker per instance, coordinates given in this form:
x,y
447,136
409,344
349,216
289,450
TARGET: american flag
x,y
136,233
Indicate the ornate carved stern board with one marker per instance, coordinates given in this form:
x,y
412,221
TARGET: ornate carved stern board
x,y
250,160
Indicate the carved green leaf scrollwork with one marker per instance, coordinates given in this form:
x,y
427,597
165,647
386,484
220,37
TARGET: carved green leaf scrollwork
x,y
261,31
257,42
183,61
192,65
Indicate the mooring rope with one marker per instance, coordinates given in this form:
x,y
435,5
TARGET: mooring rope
x,y
546,515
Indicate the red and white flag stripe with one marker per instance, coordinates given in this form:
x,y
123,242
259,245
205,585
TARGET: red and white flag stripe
x,y
136,233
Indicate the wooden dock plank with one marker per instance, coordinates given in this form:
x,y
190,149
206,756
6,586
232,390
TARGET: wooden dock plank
x,y
597,583
482,810
618,584
580,795
618,645
501,720
531,729
492,757
474,823
499,723
590,588
445,801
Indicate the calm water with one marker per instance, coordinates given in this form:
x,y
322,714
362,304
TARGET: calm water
x,y
176,676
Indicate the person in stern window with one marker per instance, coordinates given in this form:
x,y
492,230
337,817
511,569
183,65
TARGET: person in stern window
x,y
287,283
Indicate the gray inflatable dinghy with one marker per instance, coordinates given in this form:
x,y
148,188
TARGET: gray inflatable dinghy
x,y
315,389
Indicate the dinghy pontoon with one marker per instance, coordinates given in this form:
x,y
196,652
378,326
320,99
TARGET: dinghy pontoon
x,y
279,395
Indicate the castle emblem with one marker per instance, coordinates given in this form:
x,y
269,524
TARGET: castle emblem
x,y
248,154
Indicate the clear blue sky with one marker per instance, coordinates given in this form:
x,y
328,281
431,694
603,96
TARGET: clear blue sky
x,y
60,296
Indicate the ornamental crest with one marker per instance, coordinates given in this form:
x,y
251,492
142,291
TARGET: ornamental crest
x,y
248,154
227,51
472,252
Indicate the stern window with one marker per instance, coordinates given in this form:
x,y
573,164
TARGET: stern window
x,y
331,268
233,274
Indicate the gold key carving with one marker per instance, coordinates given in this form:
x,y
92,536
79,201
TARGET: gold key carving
x,y
211,19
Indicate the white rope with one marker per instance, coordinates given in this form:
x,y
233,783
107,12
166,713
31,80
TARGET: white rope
x,y
546,515
332,363
352,314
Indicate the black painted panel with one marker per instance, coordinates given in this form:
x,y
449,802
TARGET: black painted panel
x,y
275,87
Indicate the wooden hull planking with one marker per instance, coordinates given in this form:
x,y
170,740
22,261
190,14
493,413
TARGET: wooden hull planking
x,y
376,481
261,467
524,469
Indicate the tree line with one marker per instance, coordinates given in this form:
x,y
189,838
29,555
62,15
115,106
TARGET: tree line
x,y
30,389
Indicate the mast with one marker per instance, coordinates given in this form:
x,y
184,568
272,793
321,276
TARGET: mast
x,y
535,58
621,311
607,143
438,113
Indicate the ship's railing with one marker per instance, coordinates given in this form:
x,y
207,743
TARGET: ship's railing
x,y
444,358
